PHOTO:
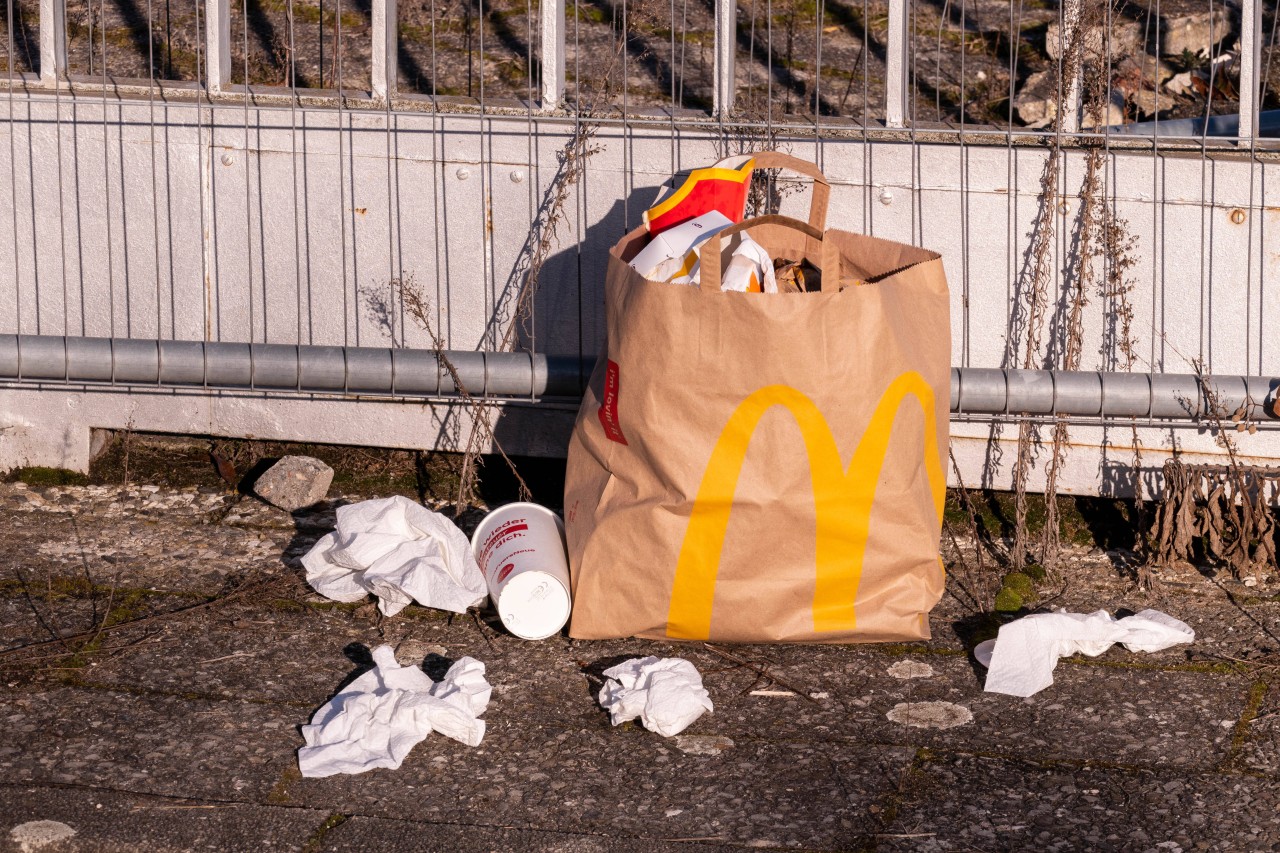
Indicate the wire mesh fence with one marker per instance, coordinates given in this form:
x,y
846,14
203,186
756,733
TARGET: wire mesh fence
x,y
316,156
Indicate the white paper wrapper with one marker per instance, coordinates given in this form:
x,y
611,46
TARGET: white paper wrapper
x,y
400,551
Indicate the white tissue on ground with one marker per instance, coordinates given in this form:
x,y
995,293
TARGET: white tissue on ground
x,y
400,551
378,718
665,693
1021,660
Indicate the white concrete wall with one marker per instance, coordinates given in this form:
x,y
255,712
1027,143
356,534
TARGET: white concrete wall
x,y
175,221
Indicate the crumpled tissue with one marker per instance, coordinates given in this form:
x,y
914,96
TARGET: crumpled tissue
x,y
1021,659
400,551
665,693
389,710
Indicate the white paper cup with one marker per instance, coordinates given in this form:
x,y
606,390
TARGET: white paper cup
x,y
521,550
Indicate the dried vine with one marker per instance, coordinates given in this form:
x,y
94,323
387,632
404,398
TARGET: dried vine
x,y
1099,236
1222,511
514,315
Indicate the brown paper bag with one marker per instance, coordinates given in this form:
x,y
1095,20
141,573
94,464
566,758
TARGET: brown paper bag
x,y
765,467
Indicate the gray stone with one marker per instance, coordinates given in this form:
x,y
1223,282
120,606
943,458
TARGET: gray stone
x,y
36,834
1194,30
1148,103
1124,38
702,744
905,669
1111,113
1037,100
295,482
930,715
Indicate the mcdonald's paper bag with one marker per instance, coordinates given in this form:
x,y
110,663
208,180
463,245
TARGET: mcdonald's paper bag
x,y
765,467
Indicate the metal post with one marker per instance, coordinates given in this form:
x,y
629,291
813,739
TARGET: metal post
x,y
553,53
1071,87
896,65
217,44
53,41
1250,55
385,49
726,52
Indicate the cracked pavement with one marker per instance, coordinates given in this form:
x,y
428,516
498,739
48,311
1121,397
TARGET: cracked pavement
x,y
177,727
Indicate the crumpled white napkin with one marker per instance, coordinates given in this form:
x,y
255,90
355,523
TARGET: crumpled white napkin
x,y
1026,651
389,710
400,551
665,693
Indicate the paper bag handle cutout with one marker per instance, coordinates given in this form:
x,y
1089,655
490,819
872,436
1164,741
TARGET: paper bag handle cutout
x,y
821,187
709,257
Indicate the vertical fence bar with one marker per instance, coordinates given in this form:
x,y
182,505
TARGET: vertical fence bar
x,y
896,62
53,41
553,53
1250,55
217,44
385,47
726,48
1070,88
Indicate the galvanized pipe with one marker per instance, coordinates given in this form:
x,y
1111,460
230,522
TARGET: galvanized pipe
x,y
513,375
285,367
1101,394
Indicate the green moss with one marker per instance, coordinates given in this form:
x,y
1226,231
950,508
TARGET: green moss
x,y
1252,703
1019,583
316,841
39,476
588,13
904,649
1008,601
279,793
1035,571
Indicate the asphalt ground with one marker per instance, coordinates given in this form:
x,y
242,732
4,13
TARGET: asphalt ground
x,y
159,650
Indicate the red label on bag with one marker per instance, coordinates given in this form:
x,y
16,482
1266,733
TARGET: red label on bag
x,y
609,405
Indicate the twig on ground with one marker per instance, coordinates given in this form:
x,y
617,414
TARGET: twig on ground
x,y
96,631
761,670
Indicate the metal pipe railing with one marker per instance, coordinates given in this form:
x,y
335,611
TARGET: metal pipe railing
x,y
375,371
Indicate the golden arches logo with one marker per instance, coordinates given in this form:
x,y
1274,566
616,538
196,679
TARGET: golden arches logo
x,y
842,502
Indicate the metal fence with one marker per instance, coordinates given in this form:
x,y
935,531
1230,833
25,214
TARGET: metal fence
x,y
301,171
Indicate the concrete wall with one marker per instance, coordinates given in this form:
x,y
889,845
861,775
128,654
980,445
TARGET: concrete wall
x,y
148,220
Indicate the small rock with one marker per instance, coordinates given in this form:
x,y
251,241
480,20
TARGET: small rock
x,y
1144,70
414,652
1148,103
1250,581
1123,38
1194,30
38,834
1037,100
910,669
703,744
1179,83
930,715
1111,113
294,482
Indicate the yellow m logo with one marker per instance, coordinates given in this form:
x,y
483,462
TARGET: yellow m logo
x,y
842,503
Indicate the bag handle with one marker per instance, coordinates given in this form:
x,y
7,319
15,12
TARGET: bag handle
x,y
709,267
821,187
